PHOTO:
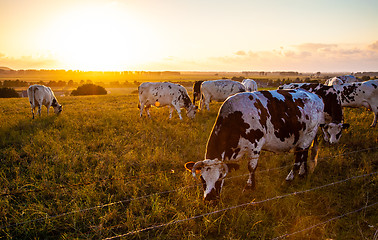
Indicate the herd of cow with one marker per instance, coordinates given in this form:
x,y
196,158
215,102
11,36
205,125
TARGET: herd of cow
x,y
250,121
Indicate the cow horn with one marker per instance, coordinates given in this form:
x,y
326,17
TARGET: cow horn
x,y
197,167
225,170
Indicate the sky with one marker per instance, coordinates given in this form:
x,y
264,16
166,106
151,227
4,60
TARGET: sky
x,y
190,35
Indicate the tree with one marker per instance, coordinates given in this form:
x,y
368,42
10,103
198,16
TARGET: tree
x,y
8,93
89,89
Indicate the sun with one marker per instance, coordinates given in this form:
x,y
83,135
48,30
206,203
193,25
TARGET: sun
x,y
99,38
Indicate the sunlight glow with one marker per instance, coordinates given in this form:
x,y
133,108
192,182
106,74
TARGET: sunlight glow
x,y
101,38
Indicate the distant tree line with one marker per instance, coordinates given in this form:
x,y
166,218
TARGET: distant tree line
x,y
6,92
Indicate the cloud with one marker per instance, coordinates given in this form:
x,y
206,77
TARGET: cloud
x,y
374,46
28,62
304,57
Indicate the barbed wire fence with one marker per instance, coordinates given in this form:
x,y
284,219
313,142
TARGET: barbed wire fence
x,y
192,186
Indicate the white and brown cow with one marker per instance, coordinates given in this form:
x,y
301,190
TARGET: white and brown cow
x,y
165,94
219,90
41,95
250,85
333,112
360,94
248,123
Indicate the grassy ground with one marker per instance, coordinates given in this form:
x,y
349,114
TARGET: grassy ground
x,y
98,171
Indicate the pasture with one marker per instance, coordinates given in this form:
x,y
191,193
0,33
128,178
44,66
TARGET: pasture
x,y
99,171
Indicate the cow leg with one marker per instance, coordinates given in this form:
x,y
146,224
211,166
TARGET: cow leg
x,y
251,182
314,155
148,111
48,109
375,117
178,111
300,164
39,109
141,108
32,111
170,112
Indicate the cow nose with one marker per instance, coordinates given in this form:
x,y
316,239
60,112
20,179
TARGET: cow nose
x,y
211,196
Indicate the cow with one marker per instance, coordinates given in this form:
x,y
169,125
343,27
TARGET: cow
x,y
333,112
196,91
334,81
218,90
360,94
341,80
250,85
41,95
250,122
165,94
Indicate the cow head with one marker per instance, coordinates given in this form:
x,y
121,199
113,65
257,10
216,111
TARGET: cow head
x,y
191,112
332,131
212,174
57,107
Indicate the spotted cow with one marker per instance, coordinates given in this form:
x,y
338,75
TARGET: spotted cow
x,y
360,94
250,85
250,122
41,95
219,90
165,94
333,112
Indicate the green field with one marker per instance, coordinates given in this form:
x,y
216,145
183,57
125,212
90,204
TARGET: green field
x,y
99,171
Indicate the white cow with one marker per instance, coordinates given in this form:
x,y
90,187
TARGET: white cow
x,y
41,95
340,80
250,85
334,81
360,94
165,94
219,90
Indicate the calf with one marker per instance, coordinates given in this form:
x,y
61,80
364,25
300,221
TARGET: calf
x,y
250,85
360,94
333,113
219,90
247,123
41,95
165,94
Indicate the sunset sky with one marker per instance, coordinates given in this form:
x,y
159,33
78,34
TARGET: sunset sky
x,y
195,35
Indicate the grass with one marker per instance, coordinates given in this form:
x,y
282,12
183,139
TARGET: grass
x,y
98,152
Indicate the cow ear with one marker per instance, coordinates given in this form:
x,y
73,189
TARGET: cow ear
x,y
189,166
346,125
233,166
322,125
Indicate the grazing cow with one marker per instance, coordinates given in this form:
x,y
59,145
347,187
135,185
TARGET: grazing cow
x,y
333,112
196,91
341,80
41,95
219,90
334,81
250,85
360,94
247,123
165,94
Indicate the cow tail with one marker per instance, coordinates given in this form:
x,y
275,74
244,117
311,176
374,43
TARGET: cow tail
x,y
31,93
